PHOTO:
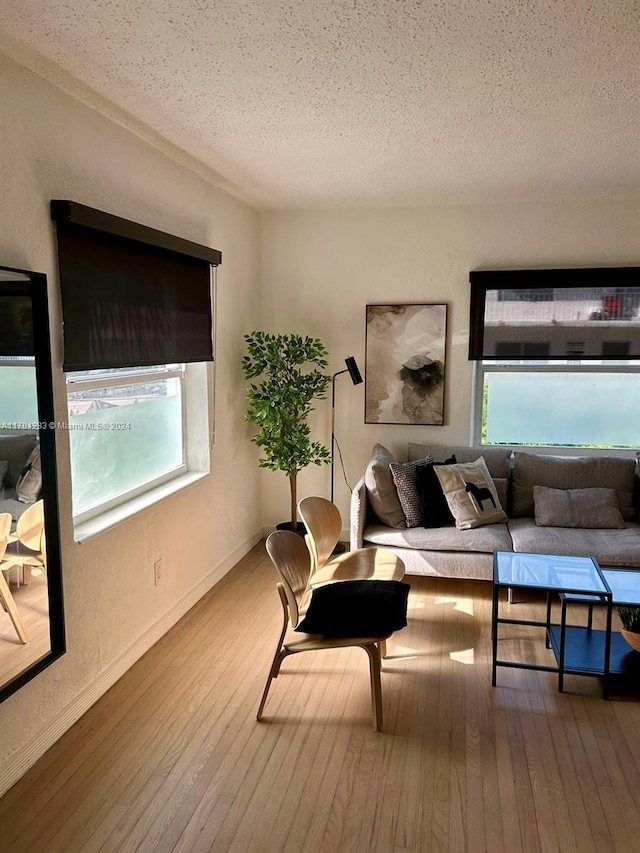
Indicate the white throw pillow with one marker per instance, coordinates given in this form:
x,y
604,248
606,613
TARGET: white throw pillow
x,y
471,494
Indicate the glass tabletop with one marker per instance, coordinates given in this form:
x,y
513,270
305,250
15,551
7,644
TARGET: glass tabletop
x,y
625,585
548,571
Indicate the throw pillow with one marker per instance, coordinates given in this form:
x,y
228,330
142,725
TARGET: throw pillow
x,y
363,608
590,508
434,506
381,489
471,494
404,476
30,480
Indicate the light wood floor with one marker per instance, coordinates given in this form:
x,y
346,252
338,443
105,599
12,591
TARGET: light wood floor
x,y
32,602
171,758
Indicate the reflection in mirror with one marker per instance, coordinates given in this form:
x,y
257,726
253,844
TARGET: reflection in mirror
x,y
31,614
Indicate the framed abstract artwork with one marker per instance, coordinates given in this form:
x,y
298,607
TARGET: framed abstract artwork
x,y
405,364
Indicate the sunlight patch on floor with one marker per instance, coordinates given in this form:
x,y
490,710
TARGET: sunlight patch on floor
x,y
466,656
465,605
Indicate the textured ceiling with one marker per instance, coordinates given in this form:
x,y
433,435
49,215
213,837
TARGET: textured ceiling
x,y
360,102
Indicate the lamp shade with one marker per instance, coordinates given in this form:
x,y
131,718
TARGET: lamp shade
x,y
354,372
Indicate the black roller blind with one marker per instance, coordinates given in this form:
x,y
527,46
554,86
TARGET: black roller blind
x,y
128,303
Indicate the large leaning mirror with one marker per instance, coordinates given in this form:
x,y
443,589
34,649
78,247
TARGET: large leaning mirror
x,y
31,611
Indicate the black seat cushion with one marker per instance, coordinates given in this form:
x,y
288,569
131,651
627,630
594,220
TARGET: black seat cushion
x,y
361,608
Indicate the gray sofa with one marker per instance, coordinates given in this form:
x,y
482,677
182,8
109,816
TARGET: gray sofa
x,y
450,552
15,450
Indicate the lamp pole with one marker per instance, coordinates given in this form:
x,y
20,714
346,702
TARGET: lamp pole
x,y
356,378
333,423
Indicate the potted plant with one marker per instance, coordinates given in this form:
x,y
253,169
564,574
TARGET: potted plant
x,y
630,618
290,371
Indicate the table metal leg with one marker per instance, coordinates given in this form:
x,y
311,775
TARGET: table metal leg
x,y
563,638
607,652
547,641
494,633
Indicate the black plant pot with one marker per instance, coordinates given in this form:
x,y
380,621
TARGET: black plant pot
x,y
286,525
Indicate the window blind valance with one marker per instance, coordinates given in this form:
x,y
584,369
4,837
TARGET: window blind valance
x,y
532,315
131,296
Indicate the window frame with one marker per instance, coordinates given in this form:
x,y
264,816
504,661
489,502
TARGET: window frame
x,y
135,376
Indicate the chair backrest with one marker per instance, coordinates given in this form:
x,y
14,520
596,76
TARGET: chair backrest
x,y
290,556
324,524
30,527
5,529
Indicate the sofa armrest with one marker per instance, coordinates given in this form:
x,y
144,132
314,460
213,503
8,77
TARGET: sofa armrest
x,y
359,501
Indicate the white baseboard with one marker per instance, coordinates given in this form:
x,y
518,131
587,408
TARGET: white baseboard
x,y
27,755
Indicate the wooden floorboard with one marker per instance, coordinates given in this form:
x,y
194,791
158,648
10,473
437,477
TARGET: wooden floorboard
x,y
171,759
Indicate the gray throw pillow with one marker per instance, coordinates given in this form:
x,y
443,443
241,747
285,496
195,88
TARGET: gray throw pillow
x,y
30,481
588,508
381,489
404,476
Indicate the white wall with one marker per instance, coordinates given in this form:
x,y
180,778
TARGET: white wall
x,y
52,146
320,268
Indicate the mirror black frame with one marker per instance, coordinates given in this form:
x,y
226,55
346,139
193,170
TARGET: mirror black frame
x,y
36,288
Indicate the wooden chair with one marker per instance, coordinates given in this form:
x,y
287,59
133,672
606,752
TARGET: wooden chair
x,y
6,597
27,546
324,524
290,556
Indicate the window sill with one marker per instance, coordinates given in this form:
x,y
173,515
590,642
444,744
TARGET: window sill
x,y
106,520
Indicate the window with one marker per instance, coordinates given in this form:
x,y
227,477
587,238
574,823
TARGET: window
x,y
18,398
568,404
126,432
557,357
138,310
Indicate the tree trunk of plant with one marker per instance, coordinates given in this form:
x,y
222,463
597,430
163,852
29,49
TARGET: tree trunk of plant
x,y
293,485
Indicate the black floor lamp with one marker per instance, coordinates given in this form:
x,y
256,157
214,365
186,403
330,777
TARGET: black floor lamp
x,y
356,378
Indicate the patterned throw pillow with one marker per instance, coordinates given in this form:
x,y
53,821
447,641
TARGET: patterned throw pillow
x,y
404,476
471,494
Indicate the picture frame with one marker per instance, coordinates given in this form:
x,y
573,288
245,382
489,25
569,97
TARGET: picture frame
x,y
405,363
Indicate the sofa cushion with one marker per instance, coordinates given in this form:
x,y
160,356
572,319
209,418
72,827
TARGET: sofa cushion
x,y
15,449
471,494
383,495
11,504
404,476
482,540
497,459
564,472
609,547
433,504
592,508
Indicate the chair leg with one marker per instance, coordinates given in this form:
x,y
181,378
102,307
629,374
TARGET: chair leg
x,y
376,688
273,673
10,606
382,645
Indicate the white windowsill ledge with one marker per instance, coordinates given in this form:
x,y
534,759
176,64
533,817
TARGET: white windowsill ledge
x,y
106,520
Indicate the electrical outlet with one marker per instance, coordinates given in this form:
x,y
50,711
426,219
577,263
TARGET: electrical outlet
x,y
157,572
